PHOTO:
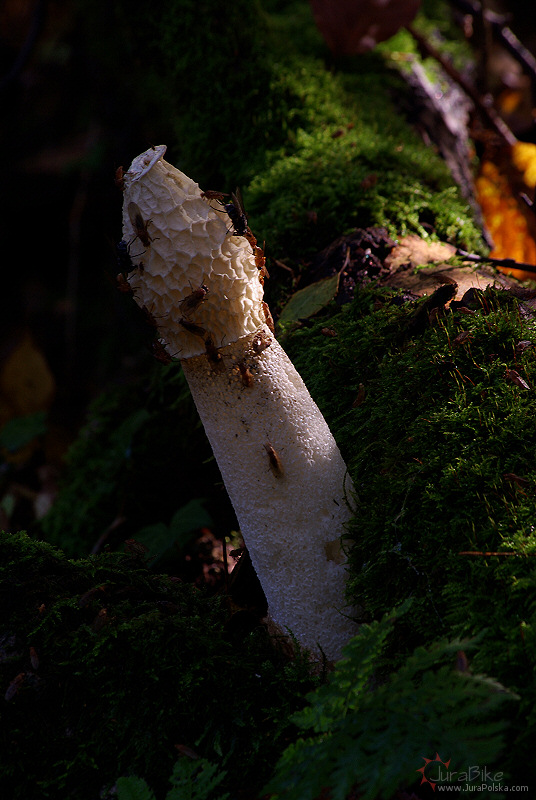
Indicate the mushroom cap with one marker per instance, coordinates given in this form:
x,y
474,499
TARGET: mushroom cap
x,y
180,242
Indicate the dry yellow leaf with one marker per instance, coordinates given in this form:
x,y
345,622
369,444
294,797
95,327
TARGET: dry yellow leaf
x,y
26,387
26,382
524,158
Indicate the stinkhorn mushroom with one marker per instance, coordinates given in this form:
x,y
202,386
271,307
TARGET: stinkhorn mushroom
x,y
198,274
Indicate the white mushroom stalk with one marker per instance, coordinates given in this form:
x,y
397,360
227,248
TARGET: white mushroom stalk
x,y
202,284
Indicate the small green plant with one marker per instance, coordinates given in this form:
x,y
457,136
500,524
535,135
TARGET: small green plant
x,y
191,780
368,734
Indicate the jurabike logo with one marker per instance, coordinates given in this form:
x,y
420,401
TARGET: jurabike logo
x,y
427,761
436,771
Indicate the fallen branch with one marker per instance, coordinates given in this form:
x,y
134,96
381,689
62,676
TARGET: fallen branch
x,y
495,121
502,32
508,263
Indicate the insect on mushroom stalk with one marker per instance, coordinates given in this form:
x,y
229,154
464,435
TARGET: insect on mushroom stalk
x,y
282,469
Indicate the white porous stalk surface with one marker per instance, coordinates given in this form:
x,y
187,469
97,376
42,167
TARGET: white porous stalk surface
x,y
281,466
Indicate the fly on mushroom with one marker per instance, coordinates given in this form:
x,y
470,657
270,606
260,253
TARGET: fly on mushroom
x,y
275,462
194,300
237,215
124,259
215,357
139,225
160,352
211,194
246,374
191,327
260,342
123,285
268,316
119,179
260,263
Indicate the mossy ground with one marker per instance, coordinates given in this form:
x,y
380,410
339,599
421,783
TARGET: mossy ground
x,y
441,450
107,668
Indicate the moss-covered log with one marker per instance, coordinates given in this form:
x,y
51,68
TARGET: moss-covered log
x,y
435,413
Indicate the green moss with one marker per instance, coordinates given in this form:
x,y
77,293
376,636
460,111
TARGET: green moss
x,y
351,162
117,666
442,455
349,158
141,455
363,734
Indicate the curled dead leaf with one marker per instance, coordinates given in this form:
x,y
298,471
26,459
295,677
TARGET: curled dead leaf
x,y
15,686
34,658
514,376
522,482
413,251
360,399
462,338
523,345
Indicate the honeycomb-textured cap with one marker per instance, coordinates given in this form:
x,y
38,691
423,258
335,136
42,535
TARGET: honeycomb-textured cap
x,y
194,276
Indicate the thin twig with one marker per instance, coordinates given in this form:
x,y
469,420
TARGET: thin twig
x,y
498,124
284,266
492,553
502,32
105,535
509,263
514,46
